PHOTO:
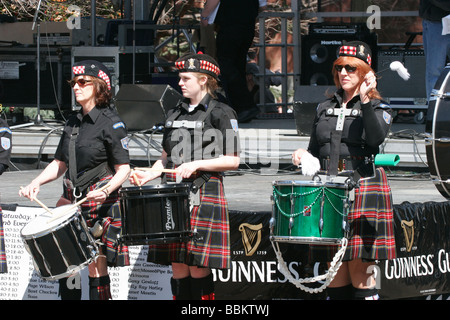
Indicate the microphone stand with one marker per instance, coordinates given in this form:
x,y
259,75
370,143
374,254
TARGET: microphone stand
x,y
38,119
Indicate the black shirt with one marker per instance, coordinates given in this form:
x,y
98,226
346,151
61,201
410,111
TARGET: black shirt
x,y
218,136
363,132
102,137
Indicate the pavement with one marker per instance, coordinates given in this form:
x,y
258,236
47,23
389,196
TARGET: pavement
x,y
245,189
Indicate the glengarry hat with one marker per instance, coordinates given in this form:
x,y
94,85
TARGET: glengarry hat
x,y
198,62
357,49
92,68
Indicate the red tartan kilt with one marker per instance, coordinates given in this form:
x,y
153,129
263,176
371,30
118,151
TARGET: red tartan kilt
x,y
371,224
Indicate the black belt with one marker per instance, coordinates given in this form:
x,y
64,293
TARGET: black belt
x,y
350,163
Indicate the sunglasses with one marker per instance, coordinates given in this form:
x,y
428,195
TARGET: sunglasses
x,y
80,82
347,68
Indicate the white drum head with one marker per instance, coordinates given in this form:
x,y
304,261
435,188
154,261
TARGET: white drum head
x,y
46,221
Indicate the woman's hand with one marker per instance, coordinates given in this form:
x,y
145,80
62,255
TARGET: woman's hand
x,y
139,177
185,170
369,83
53,171
310,164
30,191
297,156
98,196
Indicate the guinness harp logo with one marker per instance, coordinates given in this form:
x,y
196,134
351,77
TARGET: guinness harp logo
x,y
251,237
408,232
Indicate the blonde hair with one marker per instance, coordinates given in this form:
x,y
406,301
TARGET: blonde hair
x,y
362,69
211,83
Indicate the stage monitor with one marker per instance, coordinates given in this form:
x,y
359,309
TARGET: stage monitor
x,y
143,106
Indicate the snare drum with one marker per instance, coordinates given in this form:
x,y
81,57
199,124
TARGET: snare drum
x,y
309,212
437,129
59,247
155,214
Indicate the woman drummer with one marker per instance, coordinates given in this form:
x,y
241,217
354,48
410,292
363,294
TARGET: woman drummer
x,y
347,131
92,153
201,141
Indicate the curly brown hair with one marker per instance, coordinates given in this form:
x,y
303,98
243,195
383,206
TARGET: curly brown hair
x,y
101,92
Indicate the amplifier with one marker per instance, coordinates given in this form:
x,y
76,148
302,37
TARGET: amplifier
x,y
320,50
391,85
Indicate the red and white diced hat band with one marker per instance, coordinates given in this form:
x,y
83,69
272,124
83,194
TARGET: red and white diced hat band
x,y
198,62
356,49
92,68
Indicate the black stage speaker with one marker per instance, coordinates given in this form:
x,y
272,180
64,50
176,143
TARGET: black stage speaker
x,y
320,49
18,77
306,99
142,106
391,85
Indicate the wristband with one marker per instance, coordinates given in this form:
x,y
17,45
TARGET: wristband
x,y
106,192
203,18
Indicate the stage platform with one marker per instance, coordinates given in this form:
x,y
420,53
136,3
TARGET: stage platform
x,y
246,189
267,142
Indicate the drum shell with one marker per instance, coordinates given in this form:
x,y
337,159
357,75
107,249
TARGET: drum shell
x,y
155,214
301,220
437,129
63,250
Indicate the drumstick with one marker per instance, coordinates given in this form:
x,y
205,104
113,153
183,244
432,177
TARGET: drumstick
x,y
76,204
155,169
40,203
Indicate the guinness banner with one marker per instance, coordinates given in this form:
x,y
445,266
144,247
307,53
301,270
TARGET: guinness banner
x,y
421,269
422,266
